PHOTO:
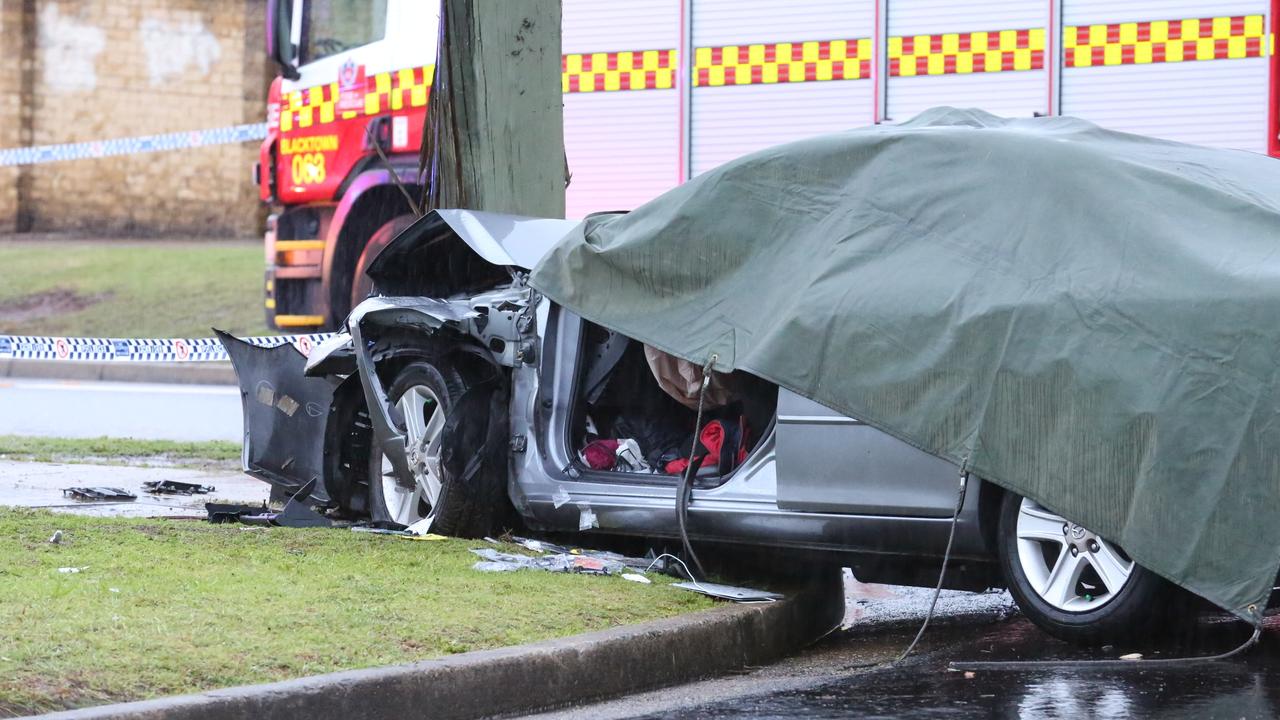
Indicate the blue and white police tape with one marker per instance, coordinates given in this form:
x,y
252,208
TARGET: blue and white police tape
x,y
39,154
35,347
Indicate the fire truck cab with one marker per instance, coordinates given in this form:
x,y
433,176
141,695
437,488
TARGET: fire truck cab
x,y
354,80
658,91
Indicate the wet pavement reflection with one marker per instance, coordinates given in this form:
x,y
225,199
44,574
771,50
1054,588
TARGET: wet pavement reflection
x,y
1247,686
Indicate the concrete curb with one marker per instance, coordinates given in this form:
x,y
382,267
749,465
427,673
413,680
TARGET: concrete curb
x,y
526,678
189,373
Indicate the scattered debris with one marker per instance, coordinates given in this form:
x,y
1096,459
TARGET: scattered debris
x,y
70,570
729,592
99,493
57,537
380,527
1131,656
560,497
422,527
539,546
643,564
114,590
174,487
559,558
297,513
495,561
969,675
634,577
586,518
231,512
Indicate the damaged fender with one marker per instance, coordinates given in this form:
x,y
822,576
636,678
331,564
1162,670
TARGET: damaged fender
x,y
500,322
334,356
423,314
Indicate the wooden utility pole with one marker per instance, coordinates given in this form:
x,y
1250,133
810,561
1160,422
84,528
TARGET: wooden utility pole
x,y
494,134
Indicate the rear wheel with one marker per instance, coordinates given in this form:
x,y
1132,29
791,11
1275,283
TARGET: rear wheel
x,y
1078,586
425,396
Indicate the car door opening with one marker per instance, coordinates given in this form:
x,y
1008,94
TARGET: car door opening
x,y
635,408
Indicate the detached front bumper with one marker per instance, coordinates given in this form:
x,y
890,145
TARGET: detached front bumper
x,y
286,415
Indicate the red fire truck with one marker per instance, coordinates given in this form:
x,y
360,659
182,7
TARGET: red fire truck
x,y
356,76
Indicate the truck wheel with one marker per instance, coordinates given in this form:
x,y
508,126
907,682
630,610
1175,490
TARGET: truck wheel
x,y
1080,587
428,405
361,284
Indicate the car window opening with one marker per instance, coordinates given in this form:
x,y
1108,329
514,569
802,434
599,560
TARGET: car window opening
x,y
635,409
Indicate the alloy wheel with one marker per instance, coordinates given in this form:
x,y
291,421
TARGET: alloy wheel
x,y
1068,566
422,421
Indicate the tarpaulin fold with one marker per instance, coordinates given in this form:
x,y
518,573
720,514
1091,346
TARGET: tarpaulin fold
x,y
1089,318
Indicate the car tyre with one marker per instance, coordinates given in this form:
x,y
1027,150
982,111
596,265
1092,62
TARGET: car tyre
x,y
1067,594
436,389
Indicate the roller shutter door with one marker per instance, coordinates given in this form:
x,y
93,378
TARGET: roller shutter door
x,y
989,55
1189,71
768,72
621,122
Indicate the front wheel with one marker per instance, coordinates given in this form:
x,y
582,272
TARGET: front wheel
x,y
433,405
1078,586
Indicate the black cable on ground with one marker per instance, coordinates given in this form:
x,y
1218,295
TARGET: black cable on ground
x,y
1140,664
685,491
937,590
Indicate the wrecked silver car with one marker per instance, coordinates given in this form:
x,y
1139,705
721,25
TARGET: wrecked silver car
x,y
680,386
461,401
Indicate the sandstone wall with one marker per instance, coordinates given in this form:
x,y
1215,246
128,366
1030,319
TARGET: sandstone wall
x,y
103,69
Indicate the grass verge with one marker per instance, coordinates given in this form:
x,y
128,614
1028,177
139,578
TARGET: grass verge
x,y
167,607
214,454
130,289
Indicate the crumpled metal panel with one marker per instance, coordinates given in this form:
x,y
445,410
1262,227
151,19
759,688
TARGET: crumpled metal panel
x,y
285,414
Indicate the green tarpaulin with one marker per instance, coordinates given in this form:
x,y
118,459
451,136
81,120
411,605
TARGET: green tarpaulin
x,y
1090,318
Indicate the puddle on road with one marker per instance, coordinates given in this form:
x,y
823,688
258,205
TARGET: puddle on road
x,y
1246,687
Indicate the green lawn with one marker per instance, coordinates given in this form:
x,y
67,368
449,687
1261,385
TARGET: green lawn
x,y
214,453
130,289
163,607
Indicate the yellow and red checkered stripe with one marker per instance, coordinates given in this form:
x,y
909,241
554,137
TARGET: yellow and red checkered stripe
x,y
969,52
1133,43
768,63
383,92
1161,41
626,70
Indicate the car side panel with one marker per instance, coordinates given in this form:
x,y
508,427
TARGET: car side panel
x,y
828,462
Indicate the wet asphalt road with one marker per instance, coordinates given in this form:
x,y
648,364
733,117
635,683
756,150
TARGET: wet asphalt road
x,y
821,683
65,408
